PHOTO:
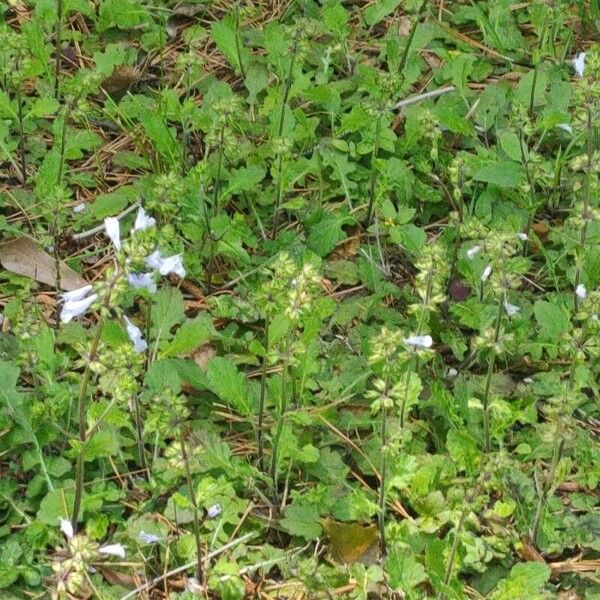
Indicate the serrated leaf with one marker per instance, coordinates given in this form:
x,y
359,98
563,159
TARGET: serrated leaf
x,y
190,336
377,11
229,384
552,319
503,173
302,520
167,311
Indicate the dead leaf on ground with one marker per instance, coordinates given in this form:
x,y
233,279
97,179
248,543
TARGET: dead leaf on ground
x,y
23,256
121,79
203,354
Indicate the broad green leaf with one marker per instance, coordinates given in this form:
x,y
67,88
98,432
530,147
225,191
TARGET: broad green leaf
x,y
302,520
378,10
526,580
503,173
229,384
404,570
190,335
167,311
552,319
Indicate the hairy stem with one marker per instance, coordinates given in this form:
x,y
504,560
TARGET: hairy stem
x,y
586,207
261,406
82,419
488,380
372,185
286,93
192,495
453,551
57,45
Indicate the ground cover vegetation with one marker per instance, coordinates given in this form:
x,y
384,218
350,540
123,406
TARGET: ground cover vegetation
x,y
299,299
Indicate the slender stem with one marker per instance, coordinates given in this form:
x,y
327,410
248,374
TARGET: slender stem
x,y
373,171
58,43
586,207
453,551
286,93
488,379
261,407
21,130
383,469
559,443
238,45
279,195
535,70
280,419
411,36
82,418
192,495
63,139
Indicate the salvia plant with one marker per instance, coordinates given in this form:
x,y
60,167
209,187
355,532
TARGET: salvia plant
x,y
299,299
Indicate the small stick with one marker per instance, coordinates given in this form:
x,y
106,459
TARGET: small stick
x,y
187,566
424,96
100,228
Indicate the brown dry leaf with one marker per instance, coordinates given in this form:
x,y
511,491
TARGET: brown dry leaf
x,y
121,79
203,354
117,578
541,230
23,256
529,552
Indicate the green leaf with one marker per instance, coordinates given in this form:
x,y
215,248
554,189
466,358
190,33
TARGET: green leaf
x,y
57,504
326,231
114,202
552,319
228,383
404,571
103,443
378,10
526,580
229,42
167,311
190,336
503,173
302,520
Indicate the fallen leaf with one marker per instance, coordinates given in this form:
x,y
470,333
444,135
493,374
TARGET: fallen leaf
x,y
352,542
203,354
23,256
121,79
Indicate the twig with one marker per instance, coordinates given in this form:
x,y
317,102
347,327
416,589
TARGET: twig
x,y
187,566
90,232
424,96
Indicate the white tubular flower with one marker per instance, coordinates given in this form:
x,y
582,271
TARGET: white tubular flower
x,y
67,528
579,63
143,221
522,236
486,273
473,252
77,294
565,127
135,335
511,309
113,231
419,341
149,538
79,208
77,303
213,511
581,292
166,265
451,373
113,550
140,281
